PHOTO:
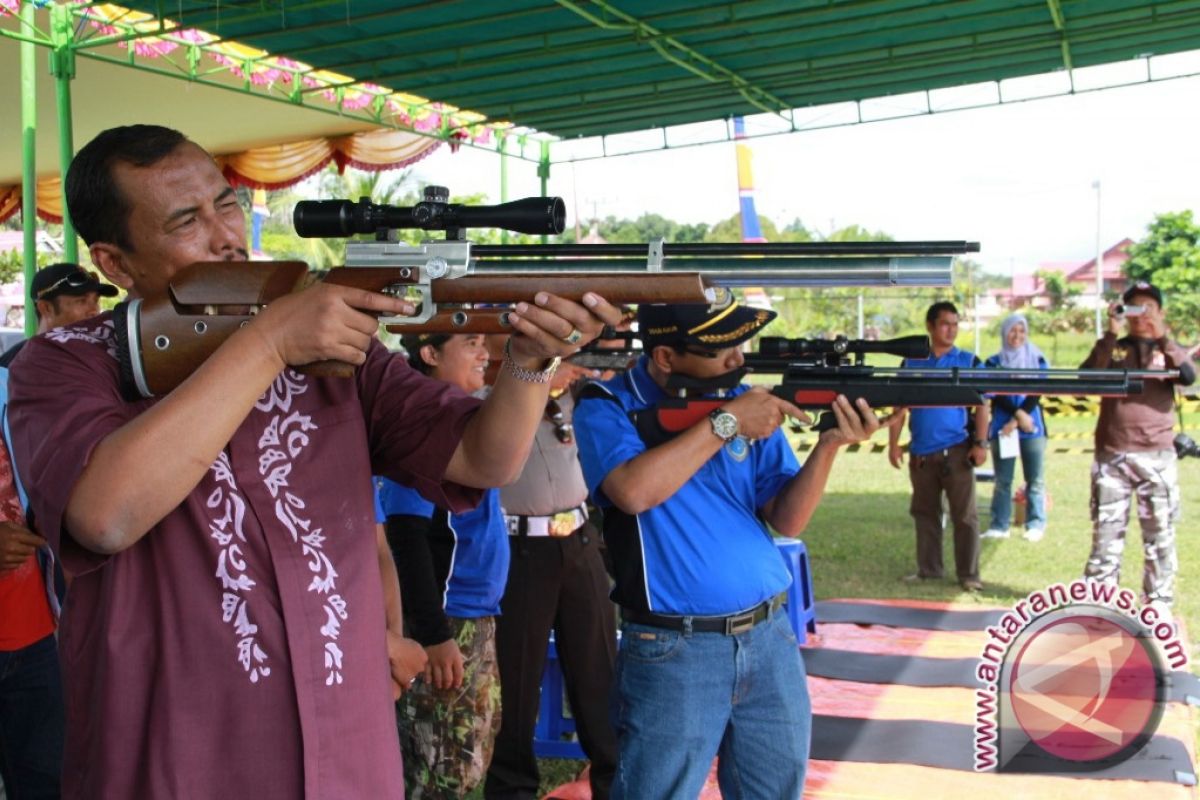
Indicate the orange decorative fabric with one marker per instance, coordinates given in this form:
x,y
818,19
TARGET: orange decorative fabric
x,y
274,167
49,200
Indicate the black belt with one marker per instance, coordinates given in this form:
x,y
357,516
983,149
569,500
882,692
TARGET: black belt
x,y
734,623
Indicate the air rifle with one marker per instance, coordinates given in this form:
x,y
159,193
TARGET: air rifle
x,y
815,371
459,287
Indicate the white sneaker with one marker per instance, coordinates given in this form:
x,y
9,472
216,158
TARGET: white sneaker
x,y
1164,615
994,533
1034,534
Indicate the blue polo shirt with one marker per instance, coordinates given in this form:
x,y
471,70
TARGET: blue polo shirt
x,y
1001,417
704,551
479,559
936,429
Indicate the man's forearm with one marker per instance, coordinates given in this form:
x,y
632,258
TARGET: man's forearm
x,y
652,477
392,605
140,472
983,419
894,430
497,439
789,511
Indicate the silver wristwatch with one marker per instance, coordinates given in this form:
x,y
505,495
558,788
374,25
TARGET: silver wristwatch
x,y
724,424
528,375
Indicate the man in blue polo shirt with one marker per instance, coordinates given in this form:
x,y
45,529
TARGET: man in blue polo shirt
x,y
708,664
947,444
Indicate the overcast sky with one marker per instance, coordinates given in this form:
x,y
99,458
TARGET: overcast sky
x,y
1018,177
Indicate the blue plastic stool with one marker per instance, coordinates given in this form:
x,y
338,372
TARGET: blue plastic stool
x,y
801,607
553,722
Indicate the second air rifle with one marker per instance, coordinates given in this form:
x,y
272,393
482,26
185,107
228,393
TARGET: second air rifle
x,y
460,287
815,371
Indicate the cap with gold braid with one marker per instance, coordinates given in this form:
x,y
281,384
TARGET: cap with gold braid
x,y
700,325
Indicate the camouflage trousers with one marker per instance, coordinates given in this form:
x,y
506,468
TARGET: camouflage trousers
x,y
1152,481
446,736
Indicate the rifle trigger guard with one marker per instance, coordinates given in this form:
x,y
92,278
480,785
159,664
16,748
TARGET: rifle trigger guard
x,y
654,255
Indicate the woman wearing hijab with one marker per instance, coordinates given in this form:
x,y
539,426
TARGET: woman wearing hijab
x,y
1023,414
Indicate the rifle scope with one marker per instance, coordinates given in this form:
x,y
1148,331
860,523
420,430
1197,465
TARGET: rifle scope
x,y
340,218
904,346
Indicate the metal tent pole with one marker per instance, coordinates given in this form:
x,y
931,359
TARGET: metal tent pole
x,y
503,181
29,159
544,171
62,67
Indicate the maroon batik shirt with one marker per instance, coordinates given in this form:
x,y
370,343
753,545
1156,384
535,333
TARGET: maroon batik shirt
x,y
238,649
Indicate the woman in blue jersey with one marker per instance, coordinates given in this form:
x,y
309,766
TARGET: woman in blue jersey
x,y
452,571
1023,415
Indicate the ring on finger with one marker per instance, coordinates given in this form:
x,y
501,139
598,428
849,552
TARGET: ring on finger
x,y
574,337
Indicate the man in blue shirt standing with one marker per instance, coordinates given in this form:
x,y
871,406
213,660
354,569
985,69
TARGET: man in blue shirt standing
x,y
708,664
947,444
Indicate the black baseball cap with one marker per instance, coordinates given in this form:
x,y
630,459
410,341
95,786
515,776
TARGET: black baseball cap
x,y
69,279
1145,289
701,325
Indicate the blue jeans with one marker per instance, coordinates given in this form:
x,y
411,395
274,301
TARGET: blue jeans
x,y
679,699
31,721
1033,465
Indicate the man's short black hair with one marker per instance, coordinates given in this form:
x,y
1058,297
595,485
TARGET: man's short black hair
x,y
937,308
96,204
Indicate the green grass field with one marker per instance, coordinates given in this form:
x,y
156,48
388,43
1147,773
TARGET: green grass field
x,y
861,539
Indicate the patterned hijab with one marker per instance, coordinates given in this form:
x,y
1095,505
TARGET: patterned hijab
x,y
1024,357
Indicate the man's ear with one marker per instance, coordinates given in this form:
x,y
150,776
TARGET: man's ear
x,y
663,358
45,309
109,259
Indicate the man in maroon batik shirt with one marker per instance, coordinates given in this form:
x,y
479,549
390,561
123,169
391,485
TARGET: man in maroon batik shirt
x,y
224,633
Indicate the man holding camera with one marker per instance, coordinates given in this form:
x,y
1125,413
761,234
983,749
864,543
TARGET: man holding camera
x,y
1135,454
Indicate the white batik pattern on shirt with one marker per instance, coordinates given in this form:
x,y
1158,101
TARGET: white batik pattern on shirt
x,y
103,334
283,439
231,571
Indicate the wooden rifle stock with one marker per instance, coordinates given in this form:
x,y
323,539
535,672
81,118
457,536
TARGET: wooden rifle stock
x,y
163,339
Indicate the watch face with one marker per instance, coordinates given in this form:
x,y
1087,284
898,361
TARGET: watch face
x,y
725,425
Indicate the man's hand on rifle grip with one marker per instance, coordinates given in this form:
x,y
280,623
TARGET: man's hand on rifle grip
x,y
325,322
856,422
554,326
759,413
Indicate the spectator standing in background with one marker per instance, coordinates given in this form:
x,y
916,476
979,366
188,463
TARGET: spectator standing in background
x,y
556,580
63,294
1020,415
947,444
1135,454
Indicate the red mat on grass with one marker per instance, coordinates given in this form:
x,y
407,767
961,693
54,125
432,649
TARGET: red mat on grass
x,y
865,781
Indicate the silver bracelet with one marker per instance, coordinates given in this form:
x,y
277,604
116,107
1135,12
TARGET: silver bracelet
x,y
528,375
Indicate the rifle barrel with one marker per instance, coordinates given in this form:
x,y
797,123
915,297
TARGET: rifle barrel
x,y
813,272
710,249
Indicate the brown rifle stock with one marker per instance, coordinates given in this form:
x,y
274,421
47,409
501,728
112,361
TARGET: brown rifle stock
x,y
163,339
169,336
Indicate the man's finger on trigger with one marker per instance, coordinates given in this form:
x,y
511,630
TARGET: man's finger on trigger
x,y
793,410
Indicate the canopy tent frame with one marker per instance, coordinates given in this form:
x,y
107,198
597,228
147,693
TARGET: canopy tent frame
x,y
673,63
